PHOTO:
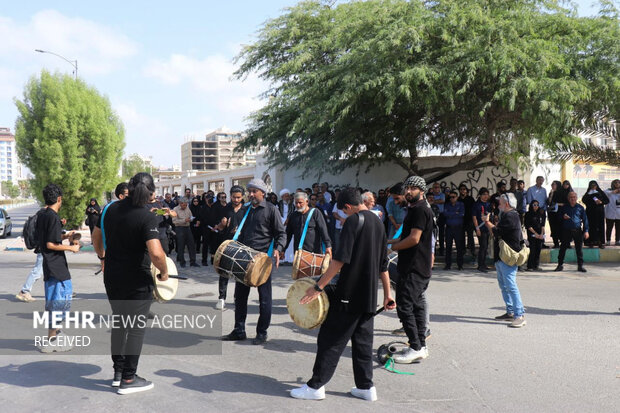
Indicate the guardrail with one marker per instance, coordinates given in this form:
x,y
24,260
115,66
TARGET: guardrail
x,y
17,204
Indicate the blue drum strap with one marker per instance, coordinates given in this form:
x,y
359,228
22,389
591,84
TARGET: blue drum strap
x,y
303,235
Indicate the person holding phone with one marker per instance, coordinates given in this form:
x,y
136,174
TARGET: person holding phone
x,y
575,227
612,211
595,200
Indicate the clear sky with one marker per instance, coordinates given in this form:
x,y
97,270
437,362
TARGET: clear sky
x,y
165,66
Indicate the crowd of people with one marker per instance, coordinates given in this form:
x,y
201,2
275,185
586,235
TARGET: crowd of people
x,y
353,225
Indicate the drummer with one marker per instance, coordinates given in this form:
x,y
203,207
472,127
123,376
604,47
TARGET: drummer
x,y
316,236
132,243
262,229
233,214
360,257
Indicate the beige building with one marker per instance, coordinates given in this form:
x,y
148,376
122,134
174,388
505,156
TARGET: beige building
x,y
10,168
215,153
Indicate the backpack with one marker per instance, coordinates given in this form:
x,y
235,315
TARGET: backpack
x,y
29,232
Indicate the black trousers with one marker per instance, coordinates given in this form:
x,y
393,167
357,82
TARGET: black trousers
x,y
185,238
483,247
206,244
338,328
265,303
468,227
555,222
126,344
610,227
569,235
222,287
441,223
456,234
411,307
596,221
197,234
533,261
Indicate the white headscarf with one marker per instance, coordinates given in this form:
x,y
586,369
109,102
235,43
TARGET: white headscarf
x,y
284,191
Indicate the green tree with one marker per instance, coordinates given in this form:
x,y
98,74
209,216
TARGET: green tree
x,y
10,190
68,134
364,83
133,164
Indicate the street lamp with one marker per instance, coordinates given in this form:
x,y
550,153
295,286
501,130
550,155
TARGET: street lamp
x,y
73,63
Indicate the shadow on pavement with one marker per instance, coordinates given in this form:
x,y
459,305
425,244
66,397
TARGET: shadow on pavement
x,y
229,382
53,373
446,318
553,311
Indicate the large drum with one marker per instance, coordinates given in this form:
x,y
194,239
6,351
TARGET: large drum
x,y
307,264
392,270
309,315
165,290
242,263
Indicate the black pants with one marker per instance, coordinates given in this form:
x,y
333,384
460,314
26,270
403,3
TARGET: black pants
x,y
468,227
265,302
456,234
197,234
206,244
185,238
222,287
567,236
483,246
610,227
533,261
126,344
338,328
555,222
410,306
596,221
441,223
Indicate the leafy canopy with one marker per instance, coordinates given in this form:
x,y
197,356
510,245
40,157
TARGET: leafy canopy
x,y
364,83
68,134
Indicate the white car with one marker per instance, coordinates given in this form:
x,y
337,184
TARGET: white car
x,y
5,224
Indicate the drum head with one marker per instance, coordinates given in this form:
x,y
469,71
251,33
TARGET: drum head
x,y
259,270
309,315
218,255
165,290
326,260
296,262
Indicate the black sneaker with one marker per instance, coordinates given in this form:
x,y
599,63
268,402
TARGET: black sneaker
x,y
205,263
482,269
581,269
446,268
559,268
136,385
182,265
259,339
116,381
194,264
235,336
505,316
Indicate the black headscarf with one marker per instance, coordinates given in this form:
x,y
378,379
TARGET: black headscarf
x,y
195,208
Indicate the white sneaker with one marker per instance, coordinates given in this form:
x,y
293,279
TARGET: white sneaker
x,y
365,394
56,344
425,349
308,393
409,355
220,304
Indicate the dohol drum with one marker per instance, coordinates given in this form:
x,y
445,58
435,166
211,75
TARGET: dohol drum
x,y
242,263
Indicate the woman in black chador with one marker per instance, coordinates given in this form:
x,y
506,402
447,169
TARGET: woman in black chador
x,y
92,214
595,200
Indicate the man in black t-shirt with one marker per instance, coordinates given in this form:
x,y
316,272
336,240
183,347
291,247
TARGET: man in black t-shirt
x,y
131,244
414,270
58,286
317,235
360,256
232,216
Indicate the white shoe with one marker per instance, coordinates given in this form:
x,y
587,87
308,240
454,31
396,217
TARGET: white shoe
x,y
425,349
308,393
365,394
409,355
221,303
56,344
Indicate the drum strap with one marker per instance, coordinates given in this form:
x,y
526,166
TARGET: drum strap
x,y
389,366
238,232
105,209
398,233
303,235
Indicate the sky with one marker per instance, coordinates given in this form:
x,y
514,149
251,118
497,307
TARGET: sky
x,y
165,67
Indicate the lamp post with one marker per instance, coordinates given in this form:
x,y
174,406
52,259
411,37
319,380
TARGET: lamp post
x,y
73,63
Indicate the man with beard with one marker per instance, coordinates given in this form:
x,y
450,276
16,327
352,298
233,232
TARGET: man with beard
x,y
316,235
414,270
397,209
263,226
233,215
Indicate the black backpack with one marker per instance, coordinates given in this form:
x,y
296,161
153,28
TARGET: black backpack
x,y
29,232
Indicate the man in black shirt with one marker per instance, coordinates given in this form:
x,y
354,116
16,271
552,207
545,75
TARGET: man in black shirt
x,y
414,269
262,229
233,214
131,244
360,257
317,234
58,286
468,223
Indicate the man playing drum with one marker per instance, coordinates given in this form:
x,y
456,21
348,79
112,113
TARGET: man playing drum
x,y
131,244
262,231
316,235
360,257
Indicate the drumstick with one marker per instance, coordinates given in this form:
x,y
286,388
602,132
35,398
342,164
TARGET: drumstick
x,y
178,277
383,307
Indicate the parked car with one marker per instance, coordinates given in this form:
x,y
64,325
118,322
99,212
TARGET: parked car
x,y
5,224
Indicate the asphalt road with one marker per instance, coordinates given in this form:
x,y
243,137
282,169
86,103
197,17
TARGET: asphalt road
x,y
566,359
